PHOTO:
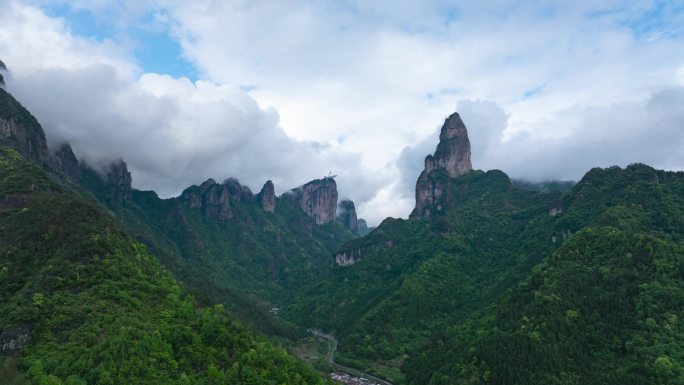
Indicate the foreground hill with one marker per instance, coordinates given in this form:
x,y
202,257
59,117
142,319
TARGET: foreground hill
x,y
82,302
494,283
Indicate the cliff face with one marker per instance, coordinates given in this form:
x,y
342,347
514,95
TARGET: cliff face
x,y
318,199
212,198
267,197
66,162
363,229
453,151
119,181
21,131
346,215
451,159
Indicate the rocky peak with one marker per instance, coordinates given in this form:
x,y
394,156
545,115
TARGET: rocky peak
x,y
66,162
363,229
346,215
119,181
453,151
451,156
237,191
3,68
21,131
318,199
212,198
267,197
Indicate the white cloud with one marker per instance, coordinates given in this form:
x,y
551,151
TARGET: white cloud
x,y
376,79
172,132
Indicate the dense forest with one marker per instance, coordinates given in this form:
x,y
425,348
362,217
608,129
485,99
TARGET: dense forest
x,y
82,302
512,285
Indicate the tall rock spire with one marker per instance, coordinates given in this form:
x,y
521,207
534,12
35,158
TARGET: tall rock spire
x,y
453,150
451,156
267,197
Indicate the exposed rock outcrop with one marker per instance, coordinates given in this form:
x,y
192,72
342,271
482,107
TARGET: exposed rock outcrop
x,y
346,215
362,226
119,181
318,199
66,162
21,131
453,150
3,68
351,256
237,191
267,197
452,157
13,340
212,198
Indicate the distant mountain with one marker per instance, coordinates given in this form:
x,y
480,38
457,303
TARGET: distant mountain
x,y
249,252
84,302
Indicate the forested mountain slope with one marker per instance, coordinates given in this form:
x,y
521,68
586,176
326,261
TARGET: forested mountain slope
x,y
605,308
493,283
83,302
221,242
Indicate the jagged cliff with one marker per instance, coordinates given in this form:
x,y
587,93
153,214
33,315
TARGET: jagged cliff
x,y
451,158
119,182
19,130
65,161
318,199
346,215
2,78
267,197
214,198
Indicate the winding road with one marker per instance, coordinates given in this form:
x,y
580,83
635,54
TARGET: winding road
x,y
332,343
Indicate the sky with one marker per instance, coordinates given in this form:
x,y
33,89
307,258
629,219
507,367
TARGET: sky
x,y
292,90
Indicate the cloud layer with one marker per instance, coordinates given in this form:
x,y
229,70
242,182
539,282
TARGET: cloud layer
x,y
294,89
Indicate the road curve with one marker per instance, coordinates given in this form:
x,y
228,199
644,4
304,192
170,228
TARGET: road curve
x,y
331,359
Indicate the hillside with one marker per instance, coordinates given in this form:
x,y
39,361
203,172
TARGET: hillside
x,y
604,308
448,296
224,245
83,302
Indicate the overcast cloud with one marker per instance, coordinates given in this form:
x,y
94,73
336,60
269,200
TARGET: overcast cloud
x,y
294,89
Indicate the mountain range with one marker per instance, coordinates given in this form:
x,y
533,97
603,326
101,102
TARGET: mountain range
x,y
489,281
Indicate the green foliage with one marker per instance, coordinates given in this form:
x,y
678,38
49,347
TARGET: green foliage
x,y
602,309
100,309
510,285
251,262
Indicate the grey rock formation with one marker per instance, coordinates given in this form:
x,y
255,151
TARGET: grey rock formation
x,y
119,181
66,162
363,229
267,197
452,157
346,215
3,68
14,339
212,198
350,257
20,131
237,191
453,151
318,199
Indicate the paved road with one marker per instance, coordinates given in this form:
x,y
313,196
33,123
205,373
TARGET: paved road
x,y
332,341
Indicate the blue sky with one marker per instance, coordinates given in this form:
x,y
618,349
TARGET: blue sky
x,y
289,90
150,42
